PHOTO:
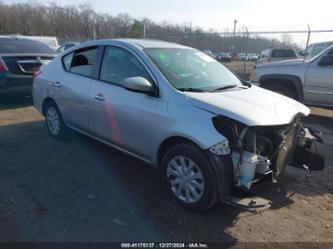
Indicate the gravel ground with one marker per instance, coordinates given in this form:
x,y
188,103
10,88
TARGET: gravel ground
x,y
82,190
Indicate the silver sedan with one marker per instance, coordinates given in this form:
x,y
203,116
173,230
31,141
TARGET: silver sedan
x,y
175,108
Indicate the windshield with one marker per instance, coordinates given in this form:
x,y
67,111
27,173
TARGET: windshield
x,y
315,49
192,69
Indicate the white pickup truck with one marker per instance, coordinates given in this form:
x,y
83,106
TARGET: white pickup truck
x,y
307,80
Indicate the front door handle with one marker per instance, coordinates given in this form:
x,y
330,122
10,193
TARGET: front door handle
x,y
99,97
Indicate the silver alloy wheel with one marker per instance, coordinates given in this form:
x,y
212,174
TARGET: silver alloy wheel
x,y
53,120
186,179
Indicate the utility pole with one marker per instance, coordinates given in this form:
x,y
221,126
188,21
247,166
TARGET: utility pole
x,y
94,34
308,40
144,31
234,37
235,23
246,52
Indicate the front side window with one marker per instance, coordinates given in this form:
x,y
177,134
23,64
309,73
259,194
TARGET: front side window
x,y
191,69
119,64
83,61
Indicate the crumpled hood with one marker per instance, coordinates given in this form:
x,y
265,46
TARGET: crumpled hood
x,y
254,106
294,62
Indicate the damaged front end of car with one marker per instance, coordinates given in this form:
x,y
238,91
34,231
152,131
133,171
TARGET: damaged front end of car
x,y
258,152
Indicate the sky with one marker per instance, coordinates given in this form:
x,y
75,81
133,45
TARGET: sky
x,y
220,14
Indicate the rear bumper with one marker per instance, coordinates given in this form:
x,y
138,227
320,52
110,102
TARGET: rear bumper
x,y
15,83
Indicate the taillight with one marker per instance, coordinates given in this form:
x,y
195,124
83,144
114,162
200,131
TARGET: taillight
x,y
2,67
35,74
269,60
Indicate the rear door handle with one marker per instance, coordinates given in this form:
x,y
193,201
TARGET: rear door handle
x,y
99,97
57,84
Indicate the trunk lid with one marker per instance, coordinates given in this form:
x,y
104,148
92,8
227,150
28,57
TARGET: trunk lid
x,y
25,64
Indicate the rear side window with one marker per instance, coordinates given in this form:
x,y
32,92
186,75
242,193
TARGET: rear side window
x,y
67,60
23,46
283,53
119,64
82,61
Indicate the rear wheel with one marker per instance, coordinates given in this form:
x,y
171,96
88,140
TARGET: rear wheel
x,y
189,176
54,122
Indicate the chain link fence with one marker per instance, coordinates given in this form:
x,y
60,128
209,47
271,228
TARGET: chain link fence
x,y
245,48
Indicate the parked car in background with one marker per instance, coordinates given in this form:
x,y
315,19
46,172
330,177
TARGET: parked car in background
x,y
20,58
175,108
276,54
241,57
252,57
309,81
223,57
66,46
316,48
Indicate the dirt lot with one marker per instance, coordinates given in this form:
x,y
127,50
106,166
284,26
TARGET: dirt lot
x,y
238,68
81,190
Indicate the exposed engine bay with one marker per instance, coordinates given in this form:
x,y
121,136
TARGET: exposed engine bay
x,y
262,151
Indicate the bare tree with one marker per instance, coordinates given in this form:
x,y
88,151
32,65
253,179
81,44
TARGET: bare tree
x,y
72,23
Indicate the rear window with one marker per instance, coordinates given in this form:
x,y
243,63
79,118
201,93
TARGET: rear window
x,y
23,46
283,53
67,60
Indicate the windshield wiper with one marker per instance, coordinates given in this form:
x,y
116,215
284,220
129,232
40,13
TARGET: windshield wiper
x,y
190,89
225,87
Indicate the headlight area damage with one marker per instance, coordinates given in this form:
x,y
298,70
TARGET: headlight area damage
x,y
253,153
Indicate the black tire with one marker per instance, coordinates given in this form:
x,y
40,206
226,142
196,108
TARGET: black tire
x,y
282,89
62,132
209,194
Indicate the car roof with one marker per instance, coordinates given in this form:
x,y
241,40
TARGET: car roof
x,y
139,43
24,39
15,38
70,43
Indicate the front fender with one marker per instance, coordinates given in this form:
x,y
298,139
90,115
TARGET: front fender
x,y
191,123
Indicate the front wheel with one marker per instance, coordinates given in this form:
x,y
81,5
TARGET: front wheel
x,y
189,176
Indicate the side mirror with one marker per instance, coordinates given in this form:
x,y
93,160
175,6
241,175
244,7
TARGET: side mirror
x,y
326,60
301,53
138,84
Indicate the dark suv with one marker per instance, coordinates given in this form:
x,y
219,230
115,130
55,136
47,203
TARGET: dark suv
x,y
20,58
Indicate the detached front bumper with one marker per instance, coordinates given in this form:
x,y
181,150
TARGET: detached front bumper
x,y
224,170
306,154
